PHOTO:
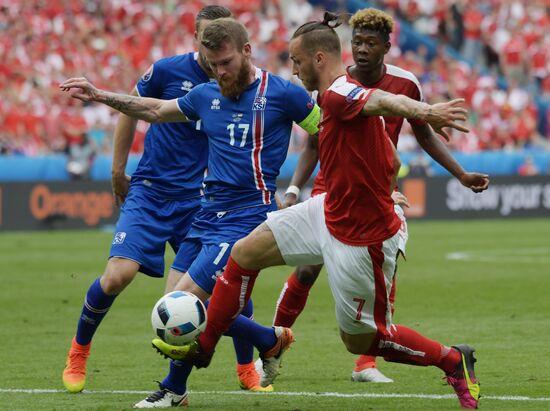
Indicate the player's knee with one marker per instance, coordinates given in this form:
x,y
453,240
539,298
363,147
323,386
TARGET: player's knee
x,y
248,255
240,253
307,274
118,274
257,250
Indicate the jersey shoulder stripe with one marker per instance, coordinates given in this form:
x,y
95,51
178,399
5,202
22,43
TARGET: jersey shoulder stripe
x,y
404,74
343,87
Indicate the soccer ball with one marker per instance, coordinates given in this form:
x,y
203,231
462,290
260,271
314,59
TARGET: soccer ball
x,y
178,318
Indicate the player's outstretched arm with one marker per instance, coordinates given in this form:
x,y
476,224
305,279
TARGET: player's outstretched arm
x,y
438,151
438,115
304,169
151,110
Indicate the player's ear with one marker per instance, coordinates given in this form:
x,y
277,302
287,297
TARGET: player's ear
x,y
196,35
319,58
387,47
247,50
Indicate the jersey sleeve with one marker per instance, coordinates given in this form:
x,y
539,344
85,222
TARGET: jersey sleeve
x,y
151,82
302,109
188,103
346,103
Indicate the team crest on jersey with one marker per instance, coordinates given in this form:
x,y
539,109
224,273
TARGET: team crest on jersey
x,y
148,74
215,104
186,85
259,104
119,237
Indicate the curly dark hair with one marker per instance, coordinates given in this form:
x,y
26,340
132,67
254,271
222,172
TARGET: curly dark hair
x,y
372,19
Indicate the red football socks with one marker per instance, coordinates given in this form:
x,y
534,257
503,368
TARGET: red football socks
x,y
365,361
231,294
409,347
291,302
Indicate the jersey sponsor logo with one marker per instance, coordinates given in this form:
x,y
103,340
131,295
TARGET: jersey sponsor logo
x,y
148,74
186,85
259,103
215,104
237,117
353,93
119,237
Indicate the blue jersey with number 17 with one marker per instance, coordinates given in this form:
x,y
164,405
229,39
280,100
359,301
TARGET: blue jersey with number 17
x,y
248,137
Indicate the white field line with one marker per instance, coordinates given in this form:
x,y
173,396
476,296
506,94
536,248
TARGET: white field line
x,y
289,394
519,255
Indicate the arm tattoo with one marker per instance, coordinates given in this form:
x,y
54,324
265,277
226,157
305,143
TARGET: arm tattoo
x,y
133,106
117,104
399,105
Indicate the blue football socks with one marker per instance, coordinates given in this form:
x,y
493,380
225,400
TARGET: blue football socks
x,y
96,305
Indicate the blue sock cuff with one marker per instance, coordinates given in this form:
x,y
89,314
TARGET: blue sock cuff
x,y
96,305
96,299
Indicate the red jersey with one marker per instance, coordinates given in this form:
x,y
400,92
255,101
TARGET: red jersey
x,y
357,160
397,81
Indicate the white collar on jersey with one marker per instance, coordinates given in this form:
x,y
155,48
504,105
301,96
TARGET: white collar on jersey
x,y
258,72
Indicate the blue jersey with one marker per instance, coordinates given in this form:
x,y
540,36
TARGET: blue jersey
x,y
248,137
175,155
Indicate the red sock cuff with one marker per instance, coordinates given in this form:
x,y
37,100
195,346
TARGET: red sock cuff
x,y
294,283
234,270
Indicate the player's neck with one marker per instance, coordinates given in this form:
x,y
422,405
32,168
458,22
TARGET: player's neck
x,y
251,73
367,77
330,74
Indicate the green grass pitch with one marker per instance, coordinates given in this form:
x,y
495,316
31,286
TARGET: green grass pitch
x,y
482,282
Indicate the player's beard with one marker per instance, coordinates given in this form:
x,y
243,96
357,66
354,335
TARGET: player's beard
x,y
233,88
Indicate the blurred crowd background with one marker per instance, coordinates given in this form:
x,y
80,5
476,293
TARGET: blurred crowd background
x,y
494,53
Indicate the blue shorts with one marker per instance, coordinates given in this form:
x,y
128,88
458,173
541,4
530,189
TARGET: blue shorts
x,y
206,249
146,223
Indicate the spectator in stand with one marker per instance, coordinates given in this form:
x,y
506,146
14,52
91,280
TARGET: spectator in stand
x,y
472,32
528,167
81,157
513,58
538,62
298,12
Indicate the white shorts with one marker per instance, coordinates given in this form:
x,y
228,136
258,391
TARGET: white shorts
x,y
403,230
360,278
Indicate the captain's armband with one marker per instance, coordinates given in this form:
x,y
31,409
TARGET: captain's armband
x,y
311,122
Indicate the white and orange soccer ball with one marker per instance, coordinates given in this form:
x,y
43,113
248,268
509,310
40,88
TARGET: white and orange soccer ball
x,y
178,318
